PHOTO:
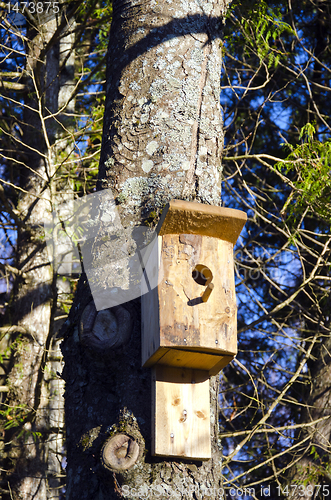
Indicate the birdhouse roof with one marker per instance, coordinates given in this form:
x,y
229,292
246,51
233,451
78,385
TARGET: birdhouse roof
x,y
186,217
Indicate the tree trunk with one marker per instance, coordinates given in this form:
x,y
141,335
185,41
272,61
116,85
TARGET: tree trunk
x,y
162,140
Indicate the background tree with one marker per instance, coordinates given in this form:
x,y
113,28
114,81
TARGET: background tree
x,y
49,63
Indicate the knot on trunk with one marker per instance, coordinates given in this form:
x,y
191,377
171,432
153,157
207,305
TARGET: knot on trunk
x,y
105,330
120,452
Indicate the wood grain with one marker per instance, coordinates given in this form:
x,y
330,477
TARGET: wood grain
x,y
174,314
180,412
186,217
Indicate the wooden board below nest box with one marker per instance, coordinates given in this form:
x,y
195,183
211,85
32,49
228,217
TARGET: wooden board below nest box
x,y
181,413
180,329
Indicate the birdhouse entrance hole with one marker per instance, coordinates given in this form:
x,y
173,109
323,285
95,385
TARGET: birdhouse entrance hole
x,y
202,275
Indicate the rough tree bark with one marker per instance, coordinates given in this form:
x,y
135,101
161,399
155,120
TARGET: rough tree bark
x,y
162,140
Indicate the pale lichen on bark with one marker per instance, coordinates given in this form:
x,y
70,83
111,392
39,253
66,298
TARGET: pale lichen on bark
x,y
163,125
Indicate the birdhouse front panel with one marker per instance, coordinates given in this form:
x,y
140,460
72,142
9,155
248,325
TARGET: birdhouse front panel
x,y
189,319
185,319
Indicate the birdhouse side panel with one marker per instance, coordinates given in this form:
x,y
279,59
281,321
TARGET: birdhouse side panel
x,y
150,317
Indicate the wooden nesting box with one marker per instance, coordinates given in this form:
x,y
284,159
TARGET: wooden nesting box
x,y
189,319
